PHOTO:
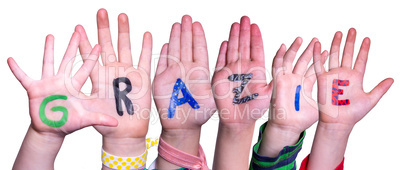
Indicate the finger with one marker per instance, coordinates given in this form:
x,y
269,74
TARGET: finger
x,y
347,58
291,54
85,46
257,47
310,77
85,49
68,60
174,45
200,50
362,57
324,56
335,49
162,63
89,63
146,53
380,90
92,118
318,67
124,46
18,73
186,39
233,44
104,38
278,61
48,60
304,59
220,63
244,40
310,71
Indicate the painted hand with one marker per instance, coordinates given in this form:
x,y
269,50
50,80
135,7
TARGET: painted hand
x,y
341,98
182,88
56,104
240,88
119,89
292,106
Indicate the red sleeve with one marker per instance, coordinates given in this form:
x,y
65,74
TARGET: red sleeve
x,y
304,164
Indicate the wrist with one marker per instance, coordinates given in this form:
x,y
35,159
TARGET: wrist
x,y
186,140
233,145
329,145
38,147
283,131
334,130
44,138
236,132
275,138
124,147
236,128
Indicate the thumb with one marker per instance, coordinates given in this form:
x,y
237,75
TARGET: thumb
x,y
18,73
93,118
380,90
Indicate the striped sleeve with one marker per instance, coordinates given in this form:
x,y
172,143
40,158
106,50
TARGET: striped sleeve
x,y
286,160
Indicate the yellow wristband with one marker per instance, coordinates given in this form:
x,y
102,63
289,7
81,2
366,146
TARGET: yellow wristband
x,y
116,162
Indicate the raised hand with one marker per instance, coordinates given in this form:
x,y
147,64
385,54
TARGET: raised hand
x,y
182,88
292,108
56,105
60,93
119,89
185,57
241,93
242,56
341,99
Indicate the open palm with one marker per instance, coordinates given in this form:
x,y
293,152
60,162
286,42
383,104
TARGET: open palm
x,y
185,57
292,105
243,54
345,103
103,76
55,101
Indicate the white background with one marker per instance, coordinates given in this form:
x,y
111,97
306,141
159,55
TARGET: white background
x,y
374,143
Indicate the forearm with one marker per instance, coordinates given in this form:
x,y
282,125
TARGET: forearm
x,y
123,147
283,159
185,140
233,146
329,146
274,139
38,151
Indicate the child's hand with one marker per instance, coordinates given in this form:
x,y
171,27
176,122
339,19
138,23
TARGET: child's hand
x,y
241,93
185,57
292,108
244,100
56,105
182,88
341,98
119,89
56,102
